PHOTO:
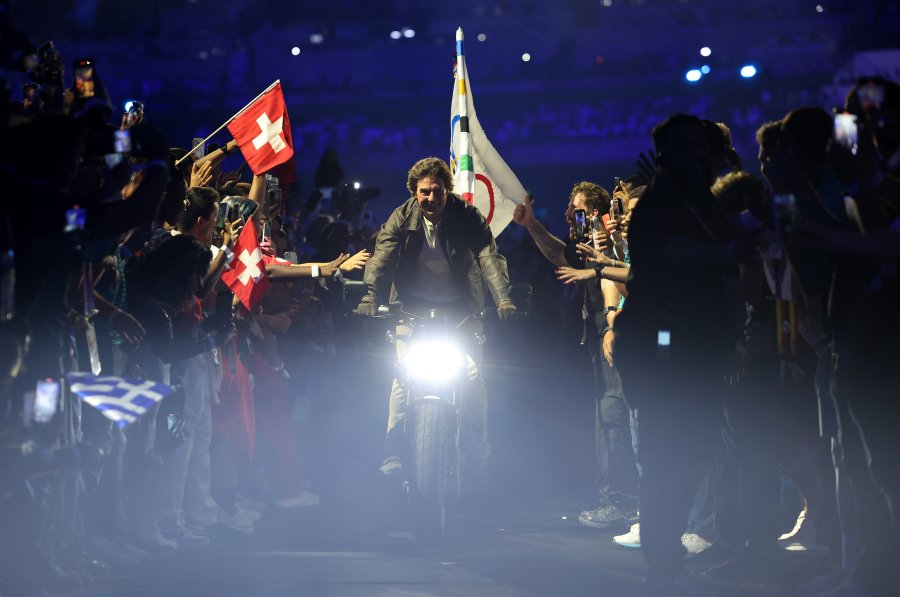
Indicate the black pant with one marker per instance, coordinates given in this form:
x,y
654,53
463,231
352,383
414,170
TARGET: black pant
x,y
617,478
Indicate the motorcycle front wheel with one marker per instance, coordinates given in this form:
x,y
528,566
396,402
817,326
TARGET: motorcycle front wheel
x,y
429,499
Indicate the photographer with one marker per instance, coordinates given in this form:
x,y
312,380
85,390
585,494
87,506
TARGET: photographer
x,y
617,473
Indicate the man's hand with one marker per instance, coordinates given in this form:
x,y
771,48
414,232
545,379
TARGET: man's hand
x,y
523,214
330,268
367,308
601,239
128,326
231,233
201,174
592,255
506,309
609,341
647,164
356,262
570,275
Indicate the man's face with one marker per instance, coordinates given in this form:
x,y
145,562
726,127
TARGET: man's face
x,y
432,197
578,201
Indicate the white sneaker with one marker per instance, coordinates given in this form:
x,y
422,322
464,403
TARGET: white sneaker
x,y
694,543
797,526
239,521
251,515
299,501
631,539
151,540
246,503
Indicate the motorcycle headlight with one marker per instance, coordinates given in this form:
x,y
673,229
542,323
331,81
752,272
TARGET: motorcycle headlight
x,y
433,360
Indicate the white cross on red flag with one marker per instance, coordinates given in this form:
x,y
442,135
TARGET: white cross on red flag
x,y
245,275
263,132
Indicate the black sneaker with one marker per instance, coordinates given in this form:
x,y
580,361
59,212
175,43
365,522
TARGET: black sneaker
x,y
604,517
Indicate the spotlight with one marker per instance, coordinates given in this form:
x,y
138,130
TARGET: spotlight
x,y
748,71
693,75
526,57
482,37
128,104
356,185
705,69
409,33
820,8
705,51
316,38
295,51
396,34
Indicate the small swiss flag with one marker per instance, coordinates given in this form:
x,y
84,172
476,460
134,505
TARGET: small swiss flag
x,y
245,275
263,132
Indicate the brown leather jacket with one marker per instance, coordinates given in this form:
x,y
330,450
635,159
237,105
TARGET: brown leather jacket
x,y
464,237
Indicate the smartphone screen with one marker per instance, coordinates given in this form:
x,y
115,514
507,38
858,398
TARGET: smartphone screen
x,y
46,400
845,130
74,219
84,78
580,222
663,338
123,141
199,149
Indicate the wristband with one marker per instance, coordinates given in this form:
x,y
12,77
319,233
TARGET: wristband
x,y
314,271
599,270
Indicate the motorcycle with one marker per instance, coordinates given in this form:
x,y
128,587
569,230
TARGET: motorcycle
x,y
434,368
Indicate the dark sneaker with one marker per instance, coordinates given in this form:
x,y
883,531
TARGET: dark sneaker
x,y
604,517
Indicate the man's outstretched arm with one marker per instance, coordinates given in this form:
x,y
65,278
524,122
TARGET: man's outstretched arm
x,y
552,248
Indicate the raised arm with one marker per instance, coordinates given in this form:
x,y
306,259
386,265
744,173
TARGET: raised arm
x,y
552,248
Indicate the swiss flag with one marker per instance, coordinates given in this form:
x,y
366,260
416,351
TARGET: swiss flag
x,y
263,132
246,274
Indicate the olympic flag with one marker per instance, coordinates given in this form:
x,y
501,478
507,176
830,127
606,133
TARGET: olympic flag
x,y
480,175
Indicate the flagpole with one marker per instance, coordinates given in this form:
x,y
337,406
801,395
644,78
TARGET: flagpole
x,y
227,122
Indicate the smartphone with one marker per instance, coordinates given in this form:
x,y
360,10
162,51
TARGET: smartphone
x,y
199,149
615,208
845,130
46,400
134,113
84,78
663,338
580,223
123,141
290,256
75,219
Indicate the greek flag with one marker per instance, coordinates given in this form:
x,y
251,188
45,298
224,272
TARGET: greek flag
x,y
122,400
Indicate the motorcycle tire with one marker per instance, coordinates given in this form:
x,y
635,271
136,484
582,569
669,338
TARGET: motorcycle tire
x,y
429,503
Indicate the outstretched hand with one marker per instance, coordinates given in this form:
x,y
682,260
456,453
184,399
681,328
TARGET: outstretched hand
x,y
523,214
570,275
356,262
647,164
201,174
592,255
331,268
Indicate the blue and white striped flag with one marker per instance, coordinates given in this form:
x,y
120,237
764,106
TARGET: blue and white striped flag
x,y
122,400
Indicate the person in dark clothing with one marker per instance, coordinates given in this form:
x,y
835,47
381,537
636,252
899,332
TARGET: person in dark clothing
x,y
676,336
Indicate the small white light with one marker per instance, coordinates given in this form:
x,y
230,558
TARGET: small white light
x,y
693,75
396,34
128,105
409,33
356,185
748,71
316,38
705,69
295,51
607,3
820,8
705,51
526,57
565,518
482,37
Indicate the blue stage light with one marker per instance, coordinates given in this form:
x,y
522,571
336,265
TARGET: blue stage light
x,y
748,71
693,75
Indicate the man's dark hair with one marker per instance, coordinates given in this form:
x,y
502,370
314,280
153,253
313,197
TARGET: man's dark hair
x,y
769,137
662,130
737,191
810,130
721,143
595,197
434,168
198,203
